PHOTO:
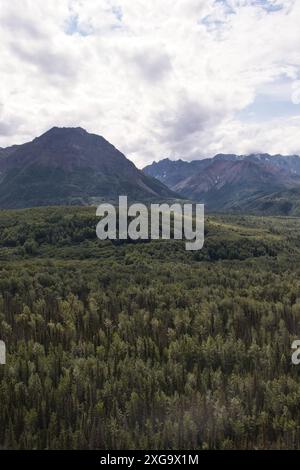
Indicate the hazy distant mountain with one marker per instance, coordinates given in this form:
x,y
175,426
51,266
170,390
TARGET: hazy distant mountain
x,y
70,166
172,172
251,183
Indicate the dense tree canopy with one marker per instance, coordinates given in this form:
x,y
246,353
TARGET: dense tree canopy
x,y
144,345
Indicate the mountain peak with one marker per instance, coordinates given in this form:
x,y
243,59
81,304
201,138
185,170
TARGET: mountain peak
x,y
68,165
79,129
54,131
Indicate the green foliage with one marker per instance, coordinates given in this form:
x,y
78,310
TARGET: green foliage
x,y
145,345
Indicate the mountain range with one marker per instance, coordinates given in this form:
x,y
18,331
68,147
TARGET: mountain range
x,y
71,166
257,183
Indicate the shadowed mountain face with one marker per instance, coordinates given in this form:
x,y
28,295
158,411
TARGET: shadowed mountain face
x,y
254,183
71,166
172,172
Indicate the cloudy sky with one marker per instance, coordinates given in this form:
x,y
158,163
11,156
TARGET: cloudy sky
x,y
157,78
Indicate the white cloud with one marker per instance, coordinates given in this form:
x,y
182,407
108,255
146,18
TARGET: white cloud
x,y
157,78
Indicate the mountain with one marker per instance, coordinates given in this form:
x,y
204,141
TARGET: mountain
x,y
290,163
284,202
257,183
71,166
172,172
4,152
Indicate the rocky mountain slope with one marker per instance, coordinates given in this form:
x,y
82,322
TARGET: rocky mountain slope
x,y
252,183
71,166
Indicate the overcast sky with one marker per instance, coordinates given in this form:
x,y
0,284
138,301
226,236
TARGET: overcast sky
x,y
157,78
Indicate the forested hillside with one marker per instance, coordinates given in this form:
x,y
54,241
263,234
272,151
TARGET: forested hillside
x,y
145,345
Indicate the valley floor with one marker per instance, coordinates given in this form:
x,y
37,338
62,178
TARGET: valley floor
x,y
145,345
